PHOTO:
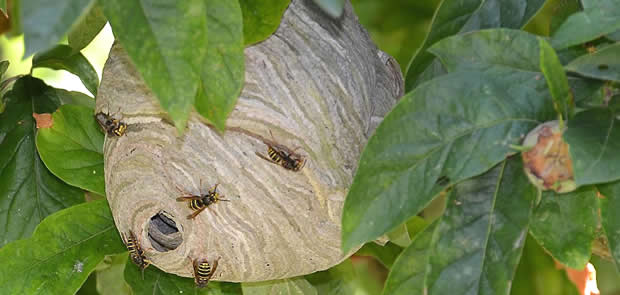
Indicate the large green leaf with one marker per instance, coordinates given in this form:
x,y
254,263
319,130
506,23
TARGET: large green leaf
x,y
597,19
454,17
73,148
292,286
565,225
610,206
556,79
492,51
594,141
603,64
63,251
337,280
63,57
482,231
45,22
28,191
87,28
158,282
333,8
457,126
223,69
167,42
261,18
538,274
407,275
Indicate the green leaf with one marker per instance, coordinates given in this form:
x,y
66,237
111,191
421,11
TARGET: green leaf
x,y
594,141
4,65
87,28
482,232
565,225
400,236
73,148
167,42
261,18
407,275
556,79
63,251
158,282
338,280
45,22
458,17
75,98
561,12
458,126
610,206
538,274
223,68
384,254
597,19
333,8
28,191
110,276
602,64
63,57
3,5
292,286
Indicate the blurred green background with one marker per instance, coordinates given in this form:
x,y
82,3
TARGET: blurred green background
x,y
398,27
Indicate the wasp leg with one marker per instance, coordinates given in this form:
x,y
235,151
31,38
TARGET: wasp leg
x,y
193,215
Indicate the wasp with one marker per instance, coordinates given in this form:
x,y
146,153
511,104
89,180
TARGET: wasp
x,y
281,155
135,251
200,202
112,126
203,271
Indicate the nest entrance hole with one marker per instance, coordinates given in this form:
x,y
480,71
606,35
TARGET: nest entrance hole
x,y
163,232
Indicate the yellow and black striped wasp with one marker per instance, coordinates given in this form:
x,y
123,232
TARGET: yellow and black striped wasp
x,y
135,251
281,155
203,271
199,203
112,126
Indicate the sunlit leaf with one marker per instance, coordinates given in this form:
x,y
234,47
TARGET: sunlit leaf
x,y
87,28
63,57
603,64
385,254
593,137
28,191
110,275
73,148
458,126
45,22
565,225
479,240
458,17
261,18
63,251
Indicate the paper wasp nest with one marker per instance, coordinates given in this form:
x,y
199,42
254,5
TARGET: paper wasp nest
x,y
320,85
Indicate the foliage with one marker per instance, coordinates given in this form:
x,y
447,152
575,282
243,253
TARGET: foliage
x,y
479,77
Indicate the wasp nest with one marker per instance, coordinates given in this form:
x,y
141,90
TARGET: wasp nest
x,y
319,85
